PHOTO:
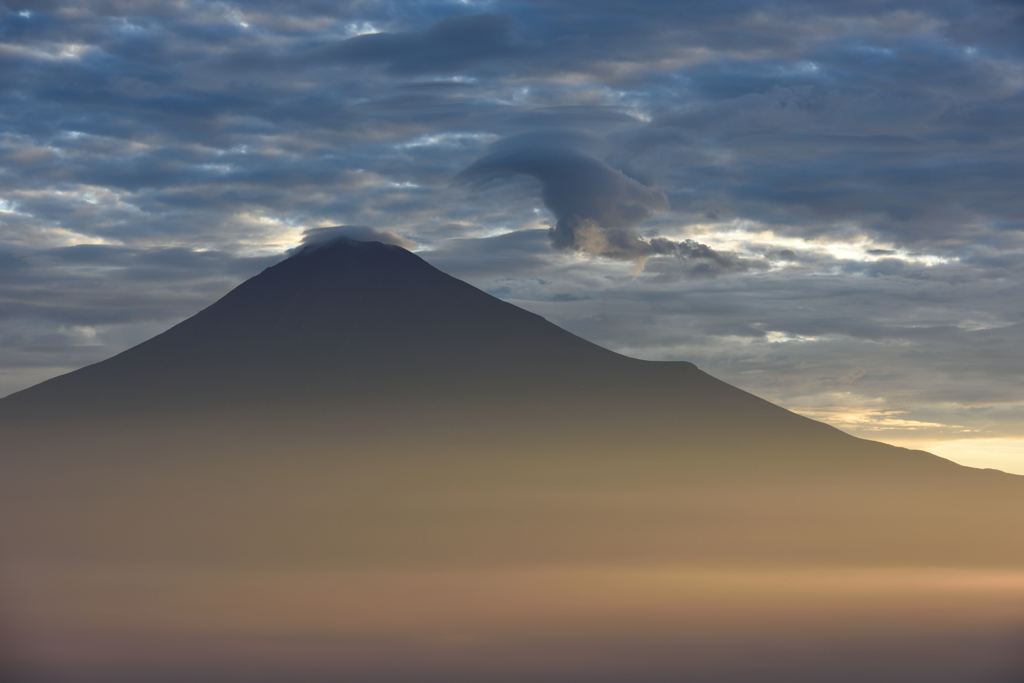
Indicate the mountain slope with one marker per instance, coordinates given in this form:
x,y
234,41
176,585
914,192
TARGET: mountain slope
x,y
362,327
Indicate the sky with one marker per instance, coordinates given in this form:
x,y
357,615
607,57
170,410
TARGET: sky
x,y
819,202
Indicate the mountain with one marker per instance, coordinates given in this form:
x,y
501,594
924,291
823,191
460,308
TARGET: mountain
x,y
364,328
356,467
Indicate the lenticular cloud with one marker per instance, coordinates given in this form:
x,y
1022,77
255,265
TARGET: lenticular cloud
x,y
596,207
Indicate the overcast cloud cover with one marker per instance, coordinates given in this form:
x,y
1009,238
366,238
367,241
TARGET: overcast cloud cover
x,y
820,202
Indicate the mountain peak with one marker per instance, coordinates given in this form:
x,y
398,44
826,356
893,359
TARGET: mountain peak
x,y
350,253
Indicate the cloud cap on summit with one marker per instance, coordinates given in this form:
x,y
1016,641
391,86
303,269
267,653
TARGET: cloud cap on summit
x,y
317,237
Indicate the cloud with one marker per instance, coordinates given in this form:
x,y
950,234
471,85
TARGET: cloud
x,y
451,45
596,207
361,233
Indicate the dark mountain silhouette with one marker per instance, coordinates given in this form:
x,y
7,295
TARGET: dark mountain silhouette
x,y
353,410
356,327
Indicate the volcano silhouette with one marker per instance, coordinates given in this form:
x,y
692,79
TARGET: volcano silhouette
x,y
353,327
356,467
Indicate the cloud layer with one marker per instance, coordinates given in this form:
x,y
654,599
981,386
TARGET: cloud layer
x,y
825,197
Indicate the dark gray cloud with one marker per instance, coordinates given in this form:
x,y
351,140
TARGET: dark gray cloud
x,y
596,207
814,187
